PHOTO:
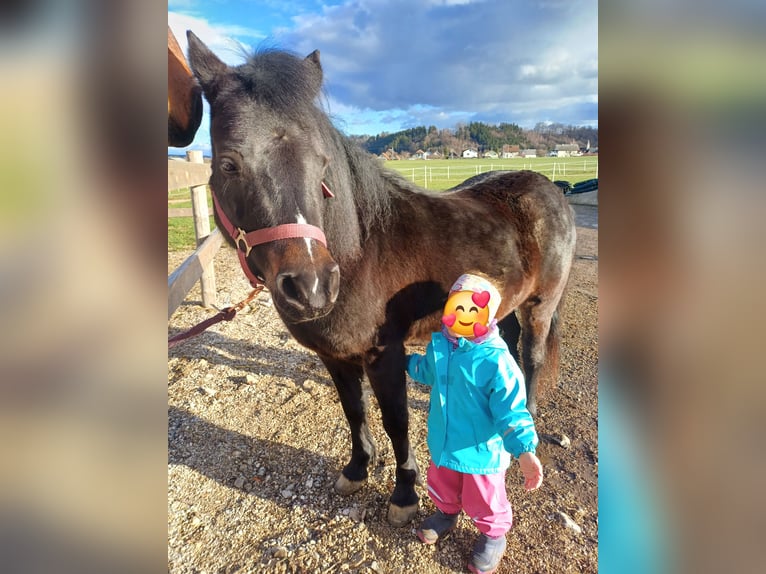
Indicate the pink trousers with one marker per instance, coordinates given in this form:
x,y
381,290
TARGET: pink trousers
x,y
482,496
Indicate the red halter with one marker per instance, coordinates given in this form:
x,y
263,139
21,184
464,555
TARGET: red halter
x,y
247,240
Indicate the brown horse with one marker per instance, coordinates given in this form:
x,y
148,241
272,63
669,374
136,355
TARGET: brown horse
x,y
356,276
184,97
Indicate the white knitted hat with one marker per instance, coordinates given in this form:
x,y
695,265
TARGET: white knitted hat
x,y
477,284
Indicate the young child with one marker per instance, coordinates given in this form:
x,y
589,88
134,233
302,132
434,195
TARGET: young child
x,y
476,420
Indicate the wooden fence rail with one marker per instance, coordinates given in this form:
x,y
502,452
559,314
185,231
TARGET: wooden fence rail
x,y
193,174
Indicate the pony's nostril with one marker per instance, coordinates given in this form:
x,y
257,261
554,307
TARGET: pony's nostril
x,y
287,286
309,291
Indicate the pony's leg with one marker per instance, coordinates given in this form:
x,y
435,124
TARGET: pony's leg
x,y
385,368
539,344
348,381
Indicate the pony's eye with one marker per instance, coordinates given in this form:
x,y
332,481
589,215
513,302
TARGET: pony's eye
x,y
228,166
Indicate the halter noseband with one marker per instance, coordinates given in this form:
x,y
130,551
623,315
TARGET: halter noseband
x,y
245,240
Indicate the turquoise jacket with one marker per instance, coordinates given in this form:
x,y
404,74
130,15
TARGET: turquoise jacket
x,y
478,412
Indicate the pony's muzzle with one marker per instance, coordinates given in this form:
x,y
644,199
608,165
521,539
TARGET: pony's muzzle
x,y
310,294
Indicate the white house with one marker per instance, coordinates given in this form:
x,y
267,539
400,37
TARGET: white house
x,y
567,150
510,151
529,153
470,153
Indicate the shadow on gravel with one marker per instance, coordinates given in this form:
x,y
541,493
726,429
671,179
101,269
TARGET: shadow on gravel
x,y
191,440
255,359
295,364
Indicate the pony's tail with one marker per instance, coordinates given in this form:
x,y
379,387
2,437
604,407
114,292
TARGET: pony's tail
x,y
550,375
549,378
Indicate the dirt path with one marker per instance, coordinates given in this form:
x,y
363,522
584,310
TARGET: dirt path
x,y
256,438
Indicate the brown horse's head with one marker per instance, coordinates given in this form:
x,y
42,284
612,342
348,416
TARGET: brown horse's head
x,y
184,97
269,162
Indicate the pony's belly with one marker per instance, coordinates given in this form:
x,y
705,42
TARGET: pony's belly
x,y
420,332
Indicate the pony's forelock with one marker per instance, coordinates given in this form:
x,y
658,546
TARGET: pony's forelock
x,y
279,78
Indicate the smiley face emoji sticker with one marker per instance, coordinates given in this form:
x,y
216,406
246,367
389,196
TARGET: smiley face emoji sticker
x,y
466,313
471,306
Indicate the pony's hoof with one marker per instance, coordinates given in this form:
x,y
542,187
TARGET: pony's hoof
x,y
401,515
345,486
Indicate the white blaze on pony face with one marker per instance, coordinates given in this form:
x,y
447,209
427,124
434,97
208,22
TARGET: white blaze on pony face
x,y
302,220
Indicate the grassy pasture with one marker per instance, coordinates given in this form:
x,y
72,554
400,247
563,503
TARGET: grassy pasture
x,y
443,174
181,229
181,233
440,174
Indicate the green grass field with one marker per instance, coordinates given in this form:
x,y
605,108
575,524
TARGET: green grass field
x,y
181,229
443,174
181,233
432,174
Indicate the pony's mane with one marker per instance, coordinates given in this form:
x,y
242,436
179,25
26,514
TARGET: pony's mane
x,y
372,195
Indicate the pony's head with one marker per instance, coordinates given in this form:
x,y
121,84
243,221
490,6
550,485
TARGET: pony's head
x,y
269,162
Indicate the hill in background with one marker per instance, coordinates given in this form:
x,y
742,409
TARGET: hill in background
x,y
480,137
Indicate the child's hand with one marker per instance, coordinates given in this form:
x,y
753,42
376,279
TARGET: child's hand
x,y
532,470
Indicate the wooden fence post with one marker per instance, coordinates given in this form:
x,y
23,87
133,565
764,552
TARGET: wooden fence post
x,y
202,230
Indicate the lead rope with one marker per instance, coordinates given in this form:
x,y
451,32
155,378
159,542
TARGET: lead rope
x,y
226,314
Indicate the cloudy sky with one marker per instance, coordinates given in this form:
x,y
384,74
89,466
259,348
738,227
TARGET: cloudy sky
x,y
395,64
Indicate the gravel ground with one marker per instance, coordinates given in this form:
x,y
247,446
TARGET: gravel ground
x,y
256,439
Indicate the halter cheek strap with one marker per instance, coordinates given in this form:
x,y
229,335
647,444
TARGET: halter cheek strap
x,y
247,240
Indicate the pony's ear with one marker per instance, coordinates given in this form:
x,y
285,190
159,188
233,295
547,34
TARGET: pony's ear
x,y
313,57
207,67
316,69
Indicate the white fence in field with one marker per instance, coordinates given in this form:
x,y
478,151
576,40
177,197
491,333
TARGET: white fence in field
x,y
426,175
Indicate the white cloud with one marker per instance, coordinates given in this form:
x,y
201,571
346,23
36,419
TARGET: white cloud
x,y
391,64
218,37
454,56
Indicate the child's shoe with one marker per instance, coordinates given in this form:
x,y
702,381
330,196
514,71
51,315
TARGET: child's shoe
x,y
435,526
487,553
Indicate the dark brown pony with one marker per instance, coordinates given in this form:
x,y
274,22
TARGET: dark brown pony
x,y
392,250
184,97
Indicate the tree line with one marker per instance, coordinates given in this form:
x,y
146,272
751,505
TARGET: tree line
x,y
479,136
